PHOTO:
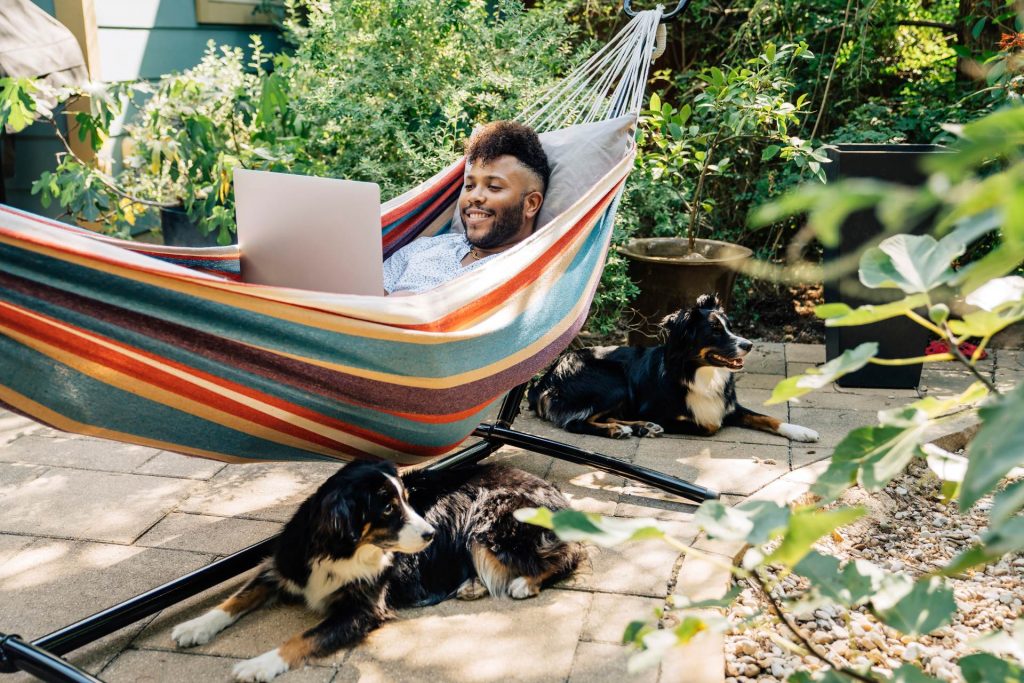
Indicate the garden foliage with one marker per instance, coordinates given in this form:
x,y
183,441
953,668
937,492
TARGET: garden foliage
x,y
975,193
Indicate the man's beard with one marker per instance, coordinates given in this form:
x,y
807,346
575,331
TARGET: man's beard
x,y
506,223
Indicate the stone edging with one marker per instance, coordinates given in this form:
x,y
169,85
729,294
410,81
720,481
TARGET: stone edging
x,y
702,660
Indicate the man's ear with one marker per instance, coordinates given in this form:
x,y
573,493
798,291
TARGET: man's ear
x,y
532,203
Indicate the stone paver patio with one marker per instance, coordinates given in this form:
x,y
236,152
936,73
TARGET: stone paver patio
x,y
85,523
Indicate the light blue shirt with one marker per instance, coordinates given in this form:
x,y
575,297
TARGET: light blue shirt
x,y
426,263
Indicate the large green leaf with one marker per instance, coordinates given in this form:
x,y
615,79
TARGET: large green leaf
x,y
914,607
807,526
573,525
1007,503
816,378
1002,260
1003,642
879,453
841,315
908,673
985,668
997,448
913,263
753,521
848,586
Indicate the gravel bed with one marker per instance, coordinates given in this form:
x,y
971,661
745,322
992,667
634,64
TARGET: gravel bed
x,y
908,528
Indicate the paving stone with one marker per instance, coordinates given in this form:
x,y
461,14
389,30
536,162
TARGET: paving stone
x,y
77,453
89,505
206,534
15,475
727,549
637,568
10,545
14,426
946,379
832,424
753,380
701,660
610,615
616,448
674,510
724,467
167,464
268,492
92,658
531,462
484,640
702,578
1009,359
156,666
809,474
766,358
805,353
794,369
52,583
252,635
856,399
587,489
755,399
607,663
799,457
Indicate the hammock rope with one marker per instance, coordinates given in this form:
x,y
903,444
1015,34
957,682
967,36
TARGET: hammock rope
x,y
164,347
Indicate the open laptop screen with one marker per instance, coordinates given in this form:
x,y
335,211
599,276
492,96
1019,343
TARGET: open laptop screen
x,y
320,234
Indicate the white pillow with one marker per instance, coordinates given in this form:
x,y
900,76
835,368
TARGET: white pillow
x,y
579,156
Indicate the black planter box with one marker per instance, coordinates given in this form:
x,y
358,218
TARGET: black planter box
x,y
898,337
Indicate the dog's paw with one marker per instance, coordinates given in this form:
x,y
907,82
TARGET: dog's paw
x,y
797,433
471,589
260,669
201,630
521,588
620,431
650,430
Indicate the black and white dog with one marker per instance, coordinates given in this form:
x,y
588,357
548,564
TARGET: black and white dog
x,y
685,386
358,549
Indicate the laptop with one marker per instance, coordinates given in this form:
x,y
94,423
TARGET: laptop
x,y
319,234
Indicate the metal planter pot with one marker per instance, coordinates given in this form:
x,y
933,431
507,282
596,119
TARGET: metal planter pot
x,y
670,279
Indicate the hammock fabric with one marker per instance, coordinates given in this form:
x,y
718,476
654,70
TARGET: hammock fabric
x,y
165,347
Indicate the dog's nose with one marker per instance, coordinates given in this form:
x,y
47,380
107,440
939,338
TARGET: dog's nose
x,y
746,345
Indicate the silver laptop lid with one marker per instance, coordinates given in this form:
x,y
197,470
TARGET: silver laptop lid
x,y
320,234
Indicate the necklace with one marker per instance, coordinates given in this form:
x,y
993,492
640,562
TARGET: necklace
x,y
476,257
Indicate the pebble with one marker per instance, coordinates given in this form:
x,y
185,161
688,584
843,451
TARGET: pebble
x,y
920,535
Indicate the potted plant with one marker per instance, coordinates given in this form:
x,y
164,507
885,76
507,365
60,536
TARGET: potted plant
x,y
193,129
738,111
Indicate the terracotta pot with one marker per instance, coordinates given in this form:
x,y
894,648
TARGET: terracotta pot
x,y
669,278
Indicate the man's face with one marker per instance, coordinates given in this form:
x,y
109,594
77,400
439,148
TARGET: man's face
x,y
500,200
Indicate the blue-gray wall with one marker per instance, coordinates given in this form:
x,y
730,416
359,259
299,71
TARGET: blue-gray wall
x,y
137,39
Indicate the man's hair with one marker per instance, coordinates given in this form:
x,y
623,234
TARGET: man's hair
x,y
499,138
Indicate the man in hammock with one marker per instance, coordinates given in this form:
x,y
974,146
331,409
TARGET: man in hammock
x,y
507,174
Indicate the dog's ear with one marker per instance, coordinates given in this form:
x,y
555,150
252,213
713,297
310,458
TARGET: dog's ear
x,y
708,302
340,524
670,319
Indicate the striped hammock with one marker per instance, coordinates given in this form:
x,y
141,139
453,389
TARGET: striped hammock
x,y
165,347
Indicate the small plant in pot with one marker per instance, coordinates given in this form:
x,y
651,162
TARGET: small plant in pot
x,y
181,147
740,118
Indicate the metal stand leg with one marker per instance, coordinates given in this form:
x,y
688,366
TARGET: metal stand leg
x,y
500,434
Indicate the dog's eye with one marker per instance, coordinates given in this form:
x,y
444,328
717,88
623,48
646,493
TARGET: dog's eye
x,y
389,508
